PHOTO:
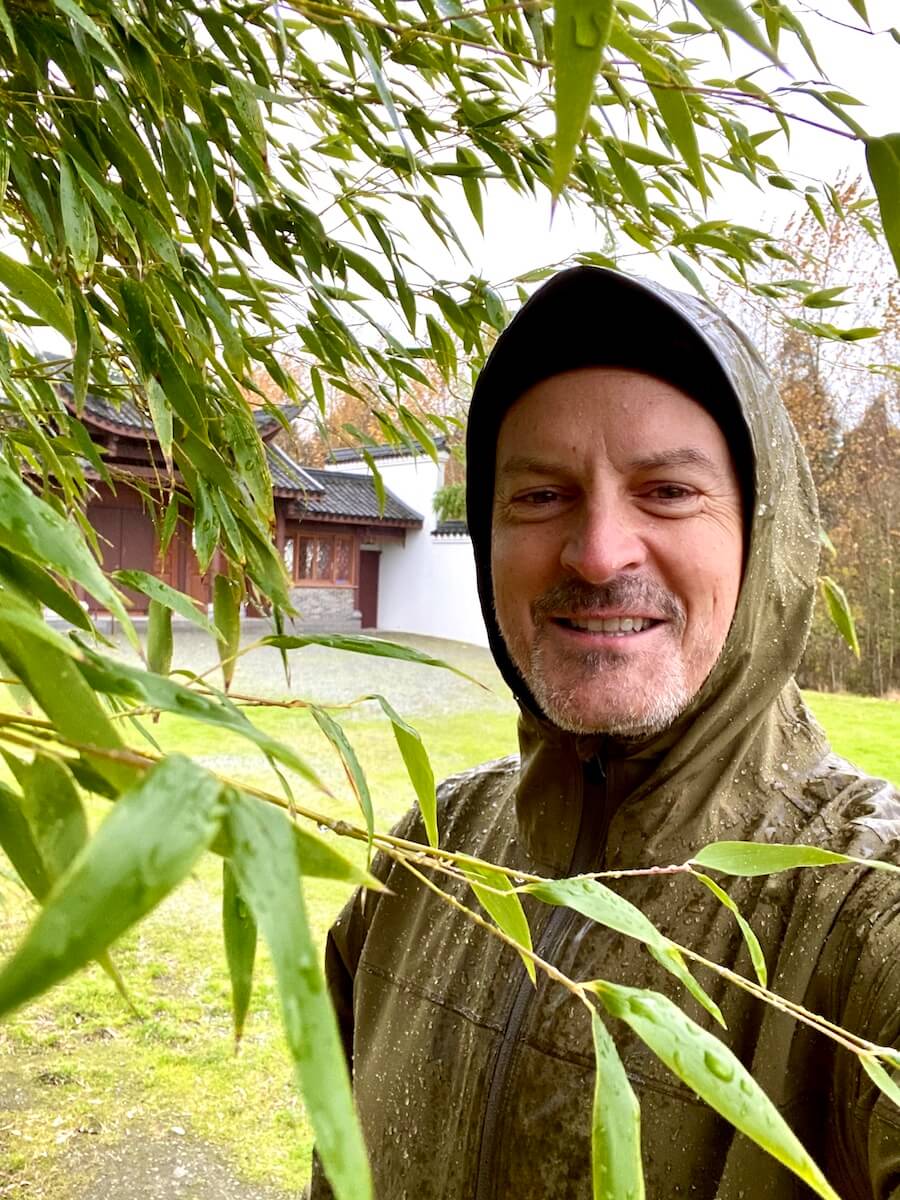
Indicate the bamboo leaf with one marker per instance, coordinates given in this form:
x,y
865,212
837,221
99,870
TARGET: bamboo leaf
x,y
38,585
581,31
19,845
54,811
72,9
76,215
736,16
359,643
883,161
264,861
116,678
764,858
418,767
239,929
498,897
676,114
615,1124
31,528
146,845
839,611
354,772
227,595
159,638
26,287
757,957
710,1069
7,27
595,900
880,1078
155,589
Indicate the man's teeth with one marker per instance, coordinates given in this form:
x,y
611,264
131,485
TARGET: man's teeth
x,y
614,625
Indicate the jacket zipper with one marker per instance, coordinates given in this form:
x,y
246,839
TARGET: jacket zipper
x,y
560,920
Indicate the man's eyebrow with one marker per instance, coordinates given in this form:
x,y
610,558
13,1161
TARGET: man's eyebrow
x,y
683,456
523,464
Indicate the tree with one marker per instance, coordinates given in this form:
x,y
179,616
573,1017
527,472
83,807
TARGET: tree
x,y
183,187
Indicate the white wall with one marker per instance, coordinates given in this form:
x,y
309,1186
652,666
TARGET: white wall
x,y
427,585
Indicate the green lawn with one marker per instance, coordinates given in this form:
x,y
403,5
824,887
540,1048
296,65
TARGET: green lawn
x,y
79,1061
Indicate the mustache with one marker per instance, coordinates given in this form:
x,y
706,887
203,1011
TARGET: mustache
x,y
624,591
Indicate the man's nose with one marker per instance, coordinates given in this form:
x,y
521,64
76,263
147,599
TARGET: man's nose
x,y
603,542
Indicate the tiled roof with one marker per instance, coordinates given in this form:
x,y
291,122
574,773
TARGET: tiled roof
x,y
288,476
351,454
124,414
268,424
347,495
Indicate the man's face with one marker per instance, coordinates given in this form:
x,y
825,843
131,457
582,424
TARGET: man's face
x,y
616,548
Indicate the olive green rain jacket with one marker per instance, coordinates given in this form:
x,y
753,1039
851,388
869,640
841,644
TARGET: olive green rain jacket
x,y
473,1085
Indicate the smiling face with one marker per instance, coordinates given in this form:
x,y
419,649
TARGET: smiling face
x,y
616,548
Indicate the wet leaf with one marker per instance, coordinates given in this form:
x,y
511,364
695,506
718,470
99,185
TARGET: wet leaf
x,y
227,598
359,643
595,900
32,581
53,808
736,16
418,767
148,585
764,858
159,638
354,772
31,528
146,845
581,30
757,957
883,161
120,679
710,1069
239,929
78,224
19,845
264,861
27,288
499,899
880,1078
676,114
615,1125
839,611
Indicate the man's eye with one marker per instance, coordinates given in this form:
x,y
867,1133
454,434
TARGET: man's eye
x,y
670,491
536,498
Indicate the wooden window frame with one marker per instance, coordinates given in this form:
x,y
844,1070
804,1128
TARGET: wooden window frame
x,y
317,536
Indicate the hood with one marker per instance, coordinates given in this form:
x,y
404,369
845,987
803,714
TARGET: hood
x,y
590,316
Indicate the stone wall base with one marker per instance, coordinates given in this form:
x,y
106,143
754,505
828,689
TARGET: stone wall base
x,y
326,608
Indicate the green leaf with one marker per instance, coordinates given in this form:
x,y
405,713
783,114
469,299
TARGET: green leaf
x,y
120,679
355,775
581,30
859,7
159,638
227,595
839,611
883,161
499,899
615,1124
54,811
140,159
46,664
146,845
7,27
757,957
239,929
19,845
76,215
26,287
735,15
880,1078
676,114
359,643
155,589
264,860
38,585
418,767
710,1069
74,10
84,344
629,180
320,860
595,900
764,858
31,528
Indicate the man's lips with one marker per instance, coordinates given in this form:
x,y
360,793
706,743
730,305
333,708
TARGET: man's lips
x,y
607,624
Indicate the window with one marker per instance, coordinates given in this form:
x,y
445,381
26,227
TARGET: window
x,y
320,558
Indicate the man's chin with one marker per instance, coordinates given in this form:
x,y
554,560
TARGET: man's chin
x,y
629,717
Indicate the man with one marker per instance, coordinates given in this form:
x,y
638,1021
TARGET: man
x,y
646,536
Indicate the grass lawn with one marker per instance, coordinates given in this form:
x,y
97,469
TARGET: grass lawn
x,y
78,1071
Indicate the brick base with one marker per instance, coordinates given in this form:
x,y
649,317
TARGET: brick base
x,y
325,608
